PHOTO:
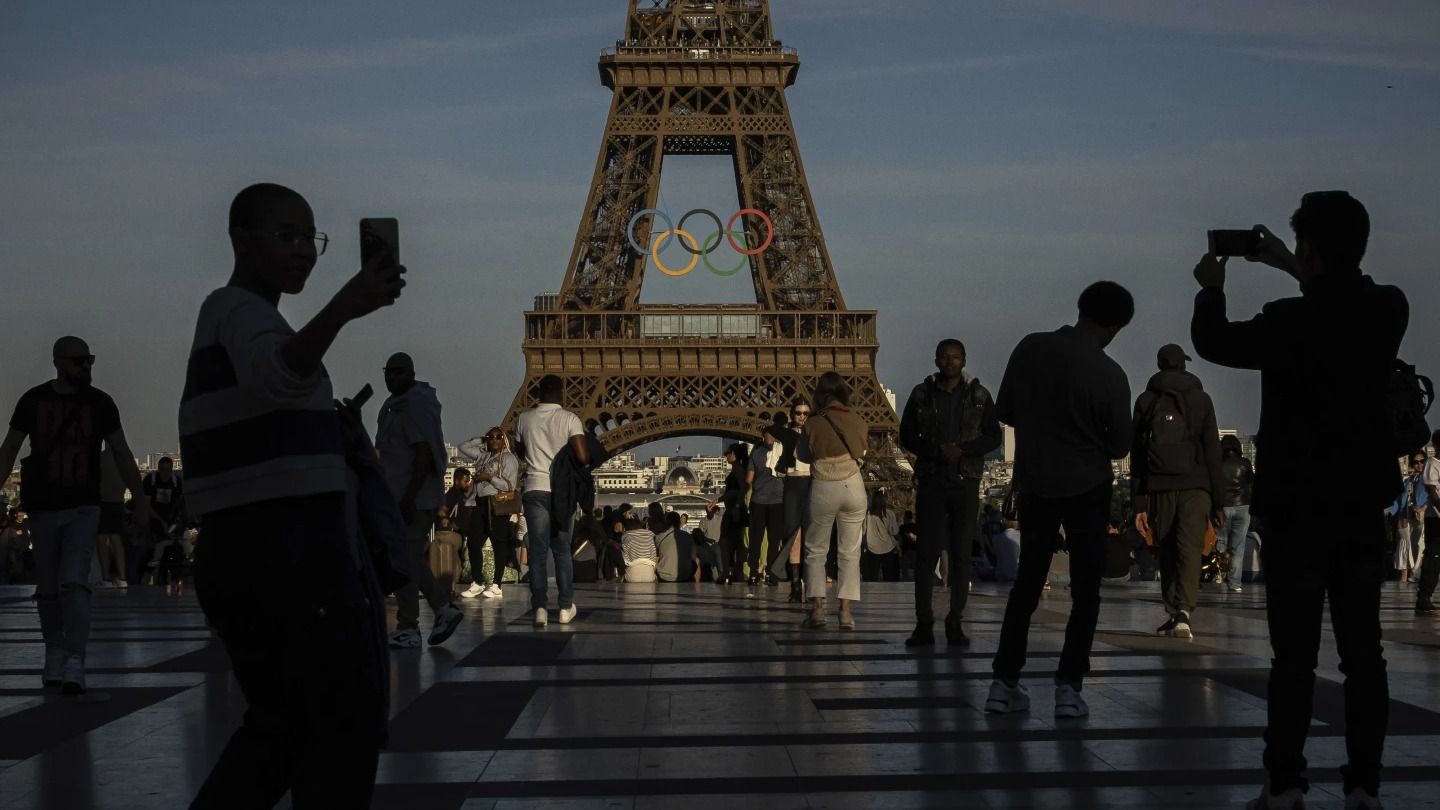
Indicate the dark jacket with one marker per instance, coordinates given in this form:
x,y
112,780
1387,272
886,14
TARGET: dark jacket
x,y
923,430
572,485
1192,463
1239,478
1324,360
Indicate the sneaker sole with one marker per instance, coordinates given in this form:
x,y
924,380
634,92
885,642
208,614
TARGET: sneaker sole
x,y
1001,707
1071,713
1184,634
440,636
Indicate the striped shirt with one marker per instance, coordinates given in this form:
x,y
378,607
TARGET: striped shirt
x,y
638,544
250,429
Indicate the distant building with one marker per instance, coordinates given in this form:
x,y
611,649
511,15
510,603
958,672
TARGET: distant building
x,y
1008,443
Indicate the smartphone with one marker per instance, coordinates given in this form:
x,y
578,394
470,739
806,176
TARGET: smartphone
x,y
1234,243
379,235
363,397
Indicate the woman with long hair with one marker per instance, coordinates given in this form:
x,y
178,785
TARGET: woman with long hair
x,y
1408,512
736,517
496,470
833,445
881,557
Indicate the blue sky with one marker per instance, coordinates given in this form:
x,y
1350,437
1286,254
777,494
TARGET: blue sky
x,y
974,165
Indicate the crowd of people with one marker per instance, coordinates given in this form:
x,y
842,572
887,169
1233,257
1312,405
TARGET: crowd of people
x,y
283,476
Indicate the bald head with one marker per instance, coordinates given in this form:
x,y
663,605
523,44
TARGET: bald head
x,y
73,361
399,373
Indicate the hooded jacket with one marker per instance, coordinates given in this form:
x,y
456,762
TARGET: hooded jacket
x,y
976,429
1324,359
1239,475
1176,389
408,419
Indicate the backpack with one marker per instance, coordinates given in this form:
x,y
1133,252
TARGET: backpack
x,y
1408,396
1170,447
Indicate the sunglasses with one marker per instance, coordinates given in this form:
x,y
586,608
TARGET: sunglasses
x,y
83,360
802,413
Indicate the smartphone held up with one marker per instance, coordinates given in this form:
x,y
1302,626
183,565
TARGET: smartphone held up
x,y
379,236
1244,243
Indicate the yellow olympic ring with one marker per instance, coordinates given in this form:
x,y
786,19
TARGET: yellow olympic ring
x,y
655,253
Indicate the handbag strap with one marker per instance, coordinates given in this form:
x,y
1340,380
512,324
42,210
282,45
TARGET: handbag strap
x,y
826,416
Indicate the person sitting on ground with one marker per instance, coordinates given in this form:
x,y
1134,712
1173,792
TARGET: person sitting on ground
x,y
638,548
1006,546
667,564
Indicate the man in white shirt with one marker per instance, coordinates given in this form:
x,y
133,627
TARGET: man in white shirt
x,y
541,433
1430,563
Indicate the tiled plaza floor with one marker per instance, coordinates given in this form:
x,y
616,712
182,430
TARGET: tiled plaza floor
x,y
695,697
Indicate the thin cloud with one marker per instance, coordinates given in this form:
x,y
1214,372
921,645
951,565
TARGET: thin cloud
x,y
1369,60
959,65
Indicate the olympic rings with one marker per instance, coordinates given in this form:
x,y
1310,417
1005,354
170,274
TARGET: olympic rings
x,y
701,249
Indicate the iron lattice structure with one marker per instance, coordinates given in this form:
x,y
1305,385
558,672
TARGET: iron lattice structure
x,y
701,77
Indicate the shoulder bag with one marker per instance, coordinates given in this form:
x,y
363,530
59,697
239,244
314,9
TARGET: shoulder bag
x,y
507,502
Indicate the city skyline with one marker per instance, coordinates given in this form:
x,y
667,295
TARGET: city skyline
x,y
970,181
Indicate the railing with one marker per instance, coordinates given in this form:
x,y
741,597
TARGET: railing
x,y
697,50
719,325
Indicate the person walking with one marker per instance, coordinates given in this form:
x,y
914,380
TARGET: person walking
x,y
542,432
949,424
1069,403
1237,479
1430,562
411,447
497,470
796,496
70,423
833,445
1407,513
1324,532
736,517
265,454
1174,471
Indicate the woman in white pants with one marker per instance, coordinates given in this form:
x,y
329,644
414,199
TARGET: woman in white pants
x,y
833,444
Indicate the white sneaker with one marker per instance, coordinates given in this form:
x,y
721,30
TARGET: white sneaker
x,y
120,583
73,681
54,667
1068,702
1358,799
445,623
541,617
475,589
407,638
1291,799
1235,587
567,615
1182,626
1004,699
493,592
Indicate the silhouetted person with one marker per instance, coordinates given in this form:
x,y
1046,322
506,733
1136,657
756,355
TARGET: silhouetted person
x,y
1324,522
1174,469
264,450
736,516
543,431
68,422
1430,563
797,479
412,451
1069,403
949,424
1238,478
767,501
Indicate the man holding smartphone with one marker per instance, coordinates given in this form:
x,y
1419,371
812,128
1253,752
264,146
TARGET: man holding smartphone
x,y
1325,359
265,460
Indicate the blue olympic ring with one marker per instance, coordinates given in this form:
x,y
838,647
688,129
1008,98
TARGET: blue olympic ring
x,y
700,249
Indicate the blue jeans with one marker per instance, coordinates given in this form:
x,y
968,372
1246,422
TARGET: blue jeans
x,y
540,543
1237,527
64,543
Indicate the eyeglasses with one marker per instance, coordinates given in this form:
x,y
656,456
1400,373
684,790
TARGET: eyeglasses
x,y
83,360
295,238
493,437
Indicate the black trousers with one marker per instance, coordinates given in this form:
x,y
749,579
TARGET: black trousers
x,y
1430,563
732,547
1338,551
880,567
485,524
307,643
766,519
947,518
1086,518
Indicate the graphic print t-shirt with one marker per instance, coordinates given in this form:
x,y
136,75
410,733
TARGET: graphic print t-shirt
x,y
66,432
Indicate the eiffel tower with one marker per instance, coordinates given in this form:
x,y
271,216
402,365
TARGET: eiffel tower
x,y
701,77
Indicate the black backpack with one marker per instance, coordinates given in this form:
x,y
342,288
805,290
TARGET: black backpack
x,y
1407,399
1170,445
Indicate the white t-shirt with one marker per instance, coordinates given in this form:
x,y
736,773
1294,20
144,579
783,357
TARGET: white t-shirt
x,y
880,531
544,430
1431,478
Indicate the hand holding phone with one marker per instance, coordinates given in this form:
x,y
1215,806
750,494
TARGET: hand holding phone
x,y
1235,242
379,281
379,241
358,401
